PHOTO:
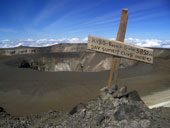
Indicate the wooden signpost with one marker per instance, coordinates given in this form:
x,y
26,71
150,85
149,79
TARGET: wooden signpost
x,y
119,49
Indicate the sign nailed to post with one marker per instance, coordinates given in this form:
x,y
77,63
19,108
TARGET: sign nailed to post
x,y
120,49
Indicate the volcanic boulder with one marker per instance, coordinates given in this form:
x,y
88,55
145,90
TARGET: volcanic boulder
x,y
114,108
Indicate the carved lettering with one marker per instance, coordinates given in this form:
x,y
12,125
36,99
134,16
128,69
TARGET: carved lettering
x,y
120,49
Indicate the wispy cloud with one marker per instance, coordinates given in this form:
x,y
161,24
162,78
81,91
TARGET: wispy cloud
x,y
114,16
7,30
75,20
75,16
139,12
49,10
147,15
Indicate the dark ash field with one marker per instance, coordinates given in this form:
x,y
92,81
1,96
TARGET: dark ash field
x,y
25,91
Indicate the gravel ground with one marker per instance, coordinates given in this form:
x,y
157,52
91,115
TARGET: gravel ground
x,y
114,108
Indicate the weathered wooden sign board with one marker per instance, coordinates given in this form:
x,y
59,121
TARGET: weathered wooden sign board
x,y
120,49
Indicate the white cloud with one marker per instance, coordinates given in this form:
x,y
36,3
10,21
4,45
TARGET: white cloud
x,y
112,38
166,46
29,39
146,42
19,44
85,40
6,40
52,40
73,40
41,40
45,45
47,42
167,41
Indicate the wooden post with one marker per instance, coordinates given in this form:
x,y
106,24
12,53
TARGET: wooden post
x,y
120,37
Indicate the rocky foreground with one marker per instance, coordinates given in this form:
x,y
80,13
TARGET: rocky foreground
x,y
114,108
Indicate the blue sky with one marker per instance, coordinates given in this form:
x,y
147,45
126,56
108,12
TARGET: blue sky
x,y
75,19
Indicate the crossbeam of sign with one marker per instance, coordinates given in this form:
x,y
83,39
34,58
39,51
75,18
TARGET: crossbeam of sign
x,y
119,49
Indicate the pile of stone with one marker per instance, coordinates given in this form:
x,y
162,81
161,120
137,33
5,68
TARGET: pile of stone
x,y
48,119
115,108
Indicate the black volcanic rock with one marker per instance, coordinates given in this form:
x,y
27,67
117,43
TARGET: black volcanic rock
x,y
24,64
44,120
115,108
2,110
109,110
77,108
